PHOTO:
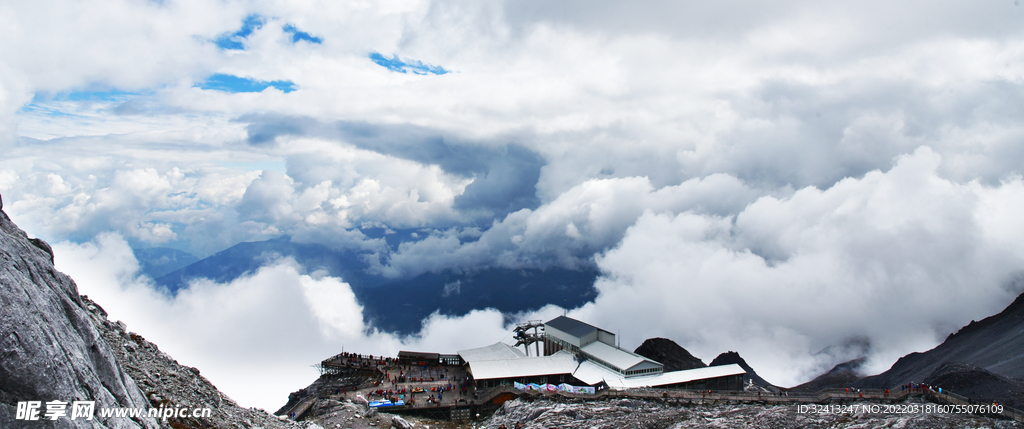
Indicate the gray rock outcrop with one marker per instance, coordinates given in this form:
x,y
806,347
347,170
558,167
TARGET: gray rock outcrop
x,y
49,347
400,423
57,345
670,354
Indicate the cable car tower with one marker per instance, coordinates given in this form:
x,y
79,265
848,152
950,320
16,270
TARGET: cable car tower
x,y
525,338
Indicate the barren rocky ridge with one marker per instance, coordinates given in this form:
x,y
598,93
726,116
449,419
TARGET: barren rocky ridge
x,y
57,345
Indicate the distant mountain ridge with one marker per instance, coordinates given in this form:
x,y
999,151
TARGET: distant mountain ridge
x,y
157,262
841,375
400,305
247,257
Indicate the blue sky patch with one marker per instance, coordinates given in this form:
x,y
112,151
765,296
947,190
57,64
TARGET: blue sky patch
x,y
55,104
409,66
94,96
301,35
229,83
234,40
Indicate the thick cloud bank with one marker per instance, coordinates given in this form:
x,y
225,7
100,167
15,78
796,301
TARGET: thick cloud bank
x,y
884,265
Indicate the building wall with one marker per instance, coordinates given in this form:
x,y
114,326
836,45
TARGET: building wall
x,y
645,368
606,337
454,360
718,384
549,331
589,338
539,379
553,344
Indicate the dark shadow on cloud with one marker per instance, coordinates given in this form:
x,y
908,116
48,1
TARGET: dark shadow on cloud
x,y
505,176
806,136
884,23
809,135
265,129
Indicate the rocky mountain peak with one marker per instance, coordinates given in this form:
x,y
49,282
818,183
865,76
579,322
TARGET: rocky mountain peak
x,y
670,354
731,357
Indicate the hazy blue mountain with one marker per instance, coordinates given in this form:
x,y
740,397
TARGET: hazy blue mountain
x,y
242,258
400,305
159,261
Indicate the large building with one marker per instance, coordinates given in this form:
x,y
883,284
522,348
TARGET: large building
x,y
580,354
597,345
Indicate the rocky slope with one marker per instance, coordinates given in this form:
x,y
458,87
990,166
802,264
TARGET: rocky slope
x,y
49,347
169,384
670,354
990,351
57,345
633,413
978,384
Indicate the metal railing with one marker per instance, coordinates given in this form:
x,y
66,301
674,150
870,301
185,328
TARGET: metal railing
x,y
956,399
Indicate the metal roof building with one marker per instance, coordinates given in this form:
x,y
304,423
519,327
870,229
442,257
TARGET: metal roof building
x,y
596,344
576,334
576,352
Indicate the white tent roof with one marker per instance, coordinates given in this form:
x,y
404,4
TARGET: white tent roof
x,y
558,363
621,359
496,351
592,373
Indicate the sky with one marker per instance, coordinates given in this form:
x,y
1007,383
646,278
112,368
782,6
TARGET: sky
x,y
801,182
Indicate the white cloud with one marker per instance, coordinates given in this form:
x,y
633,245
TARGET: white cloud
x,y
212,203
568,231
901,258
275,323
